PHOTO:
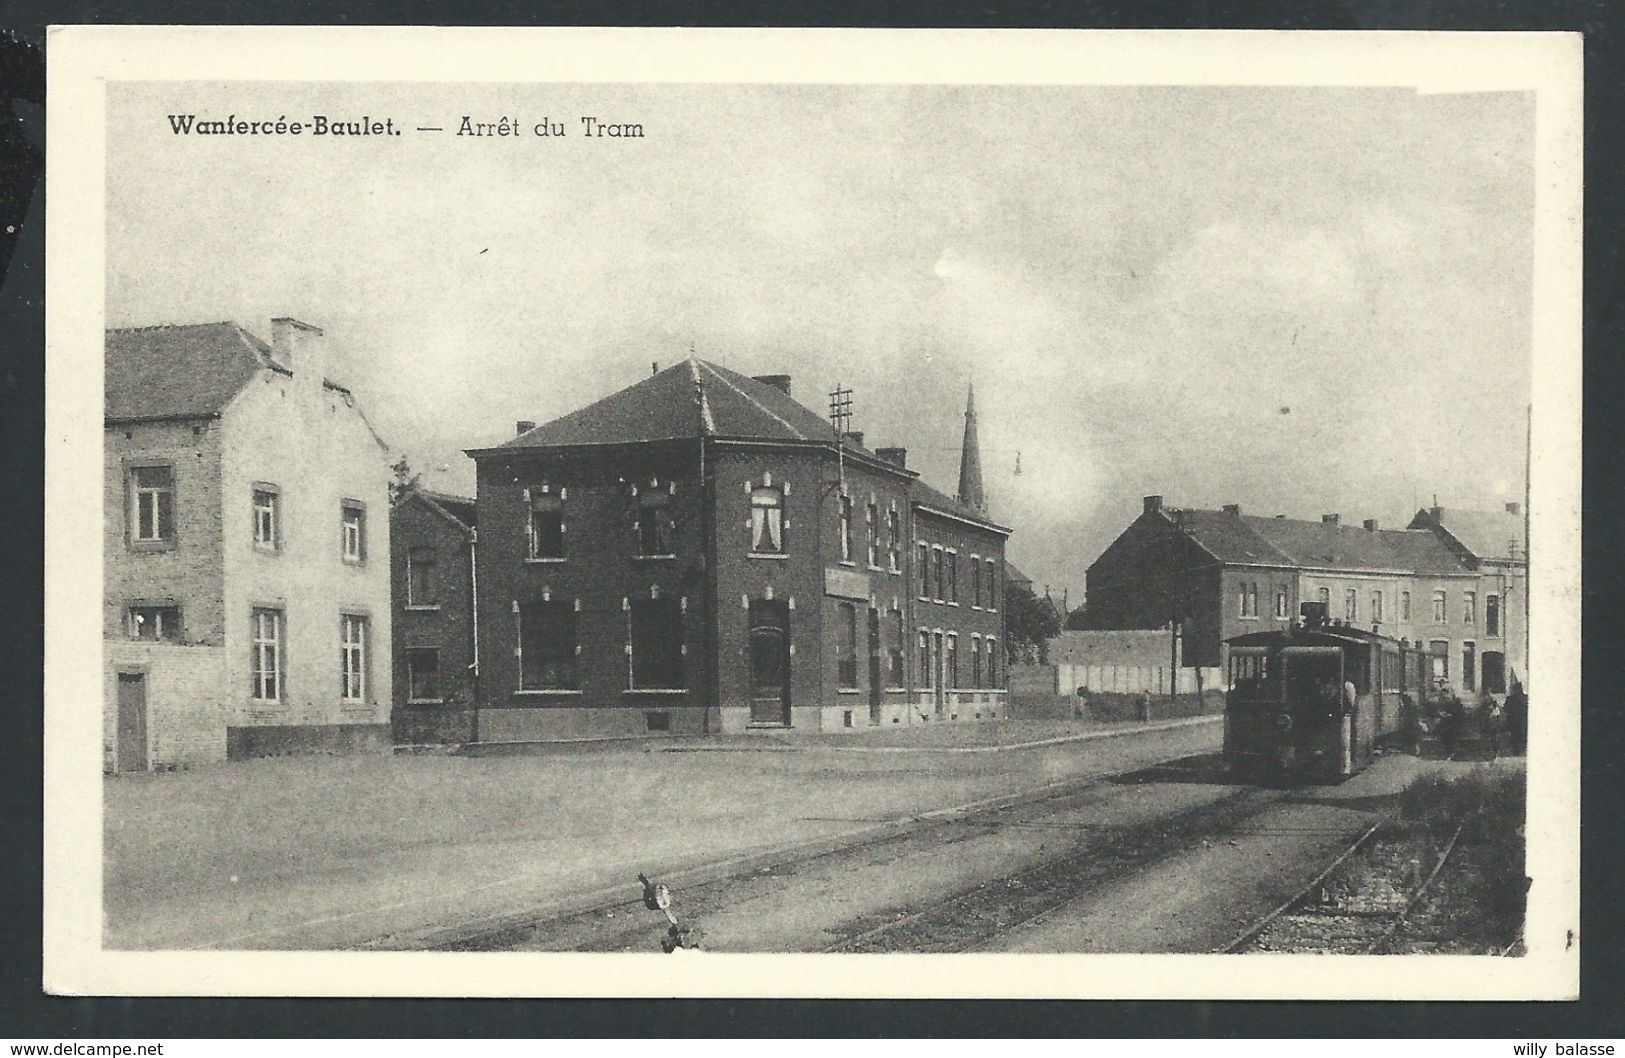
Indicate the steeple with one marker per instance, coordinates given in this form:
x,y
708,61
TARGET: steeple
x,y
970,460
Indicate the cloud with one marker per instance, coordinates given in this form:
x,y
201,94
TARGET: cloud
x,y
1264,265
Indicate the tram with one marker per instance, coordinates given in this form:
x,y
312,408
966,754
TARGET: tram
x,y
1313,702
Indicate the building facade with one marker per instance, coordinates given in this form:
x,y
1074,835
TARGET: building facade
x,y
1491,644
700,553
1222,573
432,554
245,549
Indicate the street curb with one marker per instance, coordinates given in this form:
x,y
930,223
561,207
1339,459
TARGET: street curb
x,y
1087,736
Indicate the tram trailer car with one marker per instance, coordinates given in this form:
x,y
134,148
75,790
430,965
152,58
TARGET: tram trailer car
x,y
1314,702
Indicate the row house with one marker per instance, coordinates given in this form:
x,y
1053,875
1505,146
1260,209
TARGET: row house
x,y
435,676
245,549
1222,573
698,552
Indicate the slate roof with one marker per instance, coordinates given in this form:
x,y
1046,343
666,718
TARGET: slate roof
x,y
1294,542
1483,534
461,509
180,371
665,406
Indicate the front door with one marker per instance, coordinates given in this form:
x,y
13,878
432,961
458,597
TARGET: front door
x,y
769,661
874,666
132,721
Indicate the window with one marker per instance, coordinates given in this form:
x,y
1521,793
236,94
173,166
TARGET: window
x,y
657,644
1439,611
846,528
1492,615
846,646
1469,607
975,581
898,673
420,577
157,623
1351,605
951,673
992,586
1325,595
992,677
1280,603
1376,606
953,577
767,521
266,503
874,536
423,675
266,630
1468,669
545,527
547,646
353,657
1404,606
1248,599
975,661
923,573
655,526
1440,649
937,574
152,504
894,541
925,660
353,518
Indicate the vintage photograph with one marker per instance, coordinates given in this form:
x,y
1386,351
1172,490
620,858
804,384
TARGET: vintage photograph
x,y
706,516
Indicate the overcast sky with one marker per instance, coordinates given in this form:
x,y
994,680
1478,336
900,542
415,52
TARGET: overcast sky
x,y
1299,300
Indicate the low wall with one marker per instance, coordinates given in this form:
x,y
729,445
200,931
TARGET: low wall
x,y
1113,708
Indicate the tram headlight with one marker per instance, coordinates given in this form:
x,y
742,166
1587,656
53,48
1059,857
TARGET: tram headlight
x,y
1283,723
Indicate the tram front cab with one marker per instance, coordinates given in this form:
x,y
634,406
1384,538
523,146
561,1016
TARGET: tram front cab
x,y
1288,712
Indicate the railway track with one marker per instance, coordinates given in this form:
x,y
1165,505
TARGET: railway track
x,y
1362,927
624,923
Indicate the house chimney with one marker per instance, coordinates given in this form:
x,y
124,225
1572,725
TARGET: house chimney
x,y
523,426
1153,504
1280,517
1512,508
894,455
1370,525
1331,519
299,348
1233,508
854,437
778,382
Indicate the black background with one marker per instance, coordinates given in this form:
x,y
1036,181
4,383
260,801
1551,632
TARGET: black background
x,y
26,1013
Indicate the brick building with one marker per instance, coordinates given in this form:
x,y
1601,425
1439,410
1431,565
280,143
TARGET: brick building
x,y
1494,623
1223,573
432,549
245,549
698,552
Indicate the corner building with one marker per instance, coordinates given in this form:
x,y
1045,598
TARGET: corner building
x,y
700,553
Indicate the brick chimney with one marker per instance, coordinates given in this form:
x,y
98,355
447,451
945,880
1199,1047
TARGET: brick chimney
x,y
1233,508
523,426
1370,525
1153,504
1331,519
778,382
300,348
898,456
854,437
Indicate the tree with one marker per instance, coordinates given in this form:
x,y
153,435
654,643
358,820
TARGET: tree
x,y
405,480
1029,625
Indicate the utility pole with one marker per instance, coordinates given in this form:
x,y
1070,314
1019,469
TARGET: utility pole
x,y
840,416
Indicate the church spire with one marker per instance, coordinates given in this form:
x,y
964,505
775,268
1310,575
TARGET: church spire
x,y
970,460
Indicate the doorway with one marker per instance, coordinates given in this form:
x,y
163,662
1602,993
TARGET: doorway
x,y
770,662
132,722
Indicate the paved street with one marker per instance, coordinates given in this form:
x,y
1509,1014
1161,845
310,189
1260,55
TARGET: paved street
x,y
335,852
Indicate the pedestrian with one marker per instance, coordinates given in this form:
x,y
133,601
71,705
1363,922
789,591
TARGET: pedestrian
x,y
1516,713
1080,708
1145,706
